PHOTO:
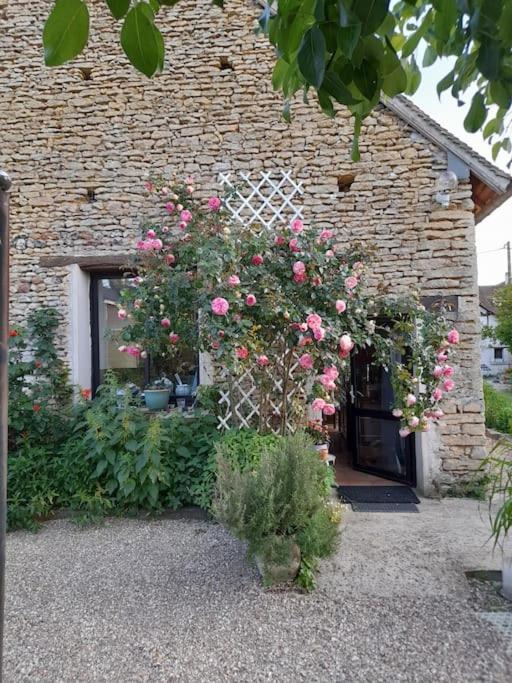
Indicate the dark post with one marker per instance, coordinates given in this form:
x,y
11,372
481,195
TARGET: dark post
x,y
5,185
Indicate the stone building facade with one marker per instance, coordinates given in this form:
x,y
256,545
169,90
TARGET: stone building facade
x,y
78,142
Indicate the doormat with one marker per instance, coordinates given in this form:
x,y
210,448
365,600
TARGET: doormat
x,y
377,494
384,507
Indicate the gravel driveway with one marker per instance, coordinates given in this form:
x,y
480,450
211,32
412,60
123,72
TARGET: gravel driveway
x,y
176,600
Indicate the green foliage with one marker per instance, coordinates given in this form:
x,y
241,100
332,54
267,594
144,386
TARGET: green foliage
x,y
243,448
503,330
498,409
279,501
498,471
351,51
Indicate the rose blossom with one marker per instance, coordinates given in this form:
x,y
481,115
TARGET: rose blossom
x,y
170,259
250,300
341,306
350,282
299,278
448,384
297,226
318,404
294,244
329,253
299,268
164,191
214,203
179,207
220,306
453,336
215,344
151,234
182,225
327,382
169,207
306,361
442,357
437,394
319,333
279,240
316,281
397,412
304,341
263,360
414,421
326,235
174,338
332,372
437,372
257,260
165,322
133,351
122,348
122,314
303,327
148,186
448,371
410,400
233,280
404,432
438,413
358,267
185,216
329,409
242,352
346,343
314,321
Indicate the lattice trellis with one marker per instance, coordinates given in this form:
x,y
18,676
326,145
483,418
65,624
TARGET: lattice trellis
x,y
263,200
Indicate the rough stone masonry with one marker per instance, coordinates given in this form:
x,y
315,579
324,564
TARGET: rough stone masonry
x,y
79,140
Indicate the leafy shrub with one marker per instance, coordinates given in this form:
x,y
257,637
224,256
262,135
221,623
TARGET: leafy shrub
x,y
498,409
244,447
283,499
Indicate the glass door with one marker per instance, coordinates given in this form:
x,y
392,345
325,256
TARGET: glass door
x,y
376,445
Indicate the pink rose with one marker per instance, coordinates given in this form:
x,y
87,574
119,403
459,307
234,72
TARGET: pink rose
x,y
329,253
410,400
138,280
304,341
327,382
122,348
185,216
164,191
397,412
306,361
303,327
148,186
350,282
316,281
329,409
250,300
220,306
346,344
332,372
122,314
214,203
453,336
174,338
215,344
190,189
165,229
448,371
414,421
313,321
257,260
169,207
151,234
319,333
404,432
242,352
341,306
438,371
294,244
233,280
279,240
297,226
299,278
182,225
170,259
325,235
441,357
358,267
165,322
437,413
437,394
263,360
133,351
318,404
299,268
448,384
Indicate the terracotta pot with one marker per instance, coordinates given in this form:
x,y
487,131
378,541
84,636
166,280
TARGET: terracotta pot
x,y
323,451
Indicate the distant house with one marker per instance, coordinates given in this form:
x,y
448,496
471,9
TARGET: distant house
x,y
495,356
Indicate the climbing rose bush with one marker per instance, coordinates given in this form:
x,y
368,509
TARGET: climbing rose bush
x,y
291,299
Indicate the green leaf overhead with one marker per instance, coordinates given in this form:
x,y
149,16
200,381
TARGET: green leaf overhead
x,y
66,31
371,13
118,7
142,41
311,57
476,115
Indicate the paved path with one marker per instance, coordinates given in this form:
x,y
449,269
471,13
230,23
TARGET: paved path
x,y
175,600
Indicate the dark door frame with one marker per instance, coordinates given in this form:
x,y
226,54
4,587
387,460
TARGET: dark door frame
x,y
410,476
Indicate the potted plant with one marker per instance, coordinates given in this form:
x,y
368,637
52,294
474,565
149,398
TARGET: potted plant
x,y
281,507
498,473
156,395
320,435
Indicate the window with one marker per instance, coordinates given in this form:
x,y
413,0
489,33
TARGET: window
x,y
498,353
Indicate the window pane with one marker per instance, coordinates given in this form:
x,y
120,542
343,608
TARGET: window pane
x,y
373,390
127,368
380,445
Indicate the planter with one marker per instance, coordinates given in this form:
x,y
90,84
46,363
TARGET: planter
x,y
323,451
506,568
156,399
183,390
275,571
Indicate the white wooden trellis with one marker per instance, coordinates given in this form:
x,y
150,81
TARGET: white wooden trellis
x,y
258,201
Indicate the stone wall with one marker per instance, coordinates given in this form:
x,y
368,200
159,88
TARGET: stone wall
x,y
79,140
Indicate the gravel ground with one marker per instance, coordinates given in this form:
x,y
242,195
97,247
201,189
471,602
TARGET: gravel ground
x,y
176,600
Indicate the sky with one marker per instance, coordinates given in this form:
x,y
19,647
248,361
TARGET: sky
x,y
496,229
